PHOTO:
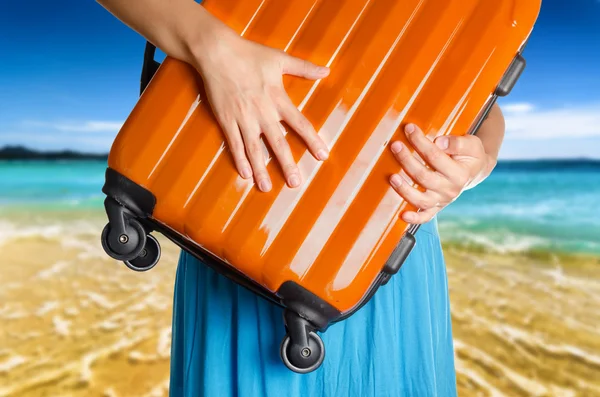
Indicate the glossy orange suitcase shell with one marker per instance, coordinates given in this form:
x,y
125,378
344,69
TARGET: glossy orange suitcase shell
x,y
438,63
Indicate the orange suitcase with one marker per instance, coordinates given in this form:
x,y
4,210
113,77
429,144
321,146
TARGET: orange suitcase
x,y
320,250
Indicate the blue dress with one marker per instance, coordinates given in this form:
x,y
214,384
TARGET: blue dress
x,y
226,340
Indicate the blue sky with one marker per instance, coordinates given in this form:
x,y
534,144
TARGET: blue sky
x,y
69,76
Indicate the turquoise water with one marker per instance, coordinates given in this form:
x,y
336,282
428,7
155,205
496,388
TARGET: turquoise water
x,y
543,205
52,184
548,205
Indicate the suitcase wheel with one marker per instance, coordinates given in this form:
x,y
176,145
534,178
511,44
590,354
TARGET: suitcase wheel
x,y
148,258
303,358
302,350
139,252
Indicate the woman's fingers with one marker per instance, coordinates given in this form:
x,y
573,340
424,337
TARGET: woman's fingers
x,y
415,169
296,120
419,218
422,200
255,153
256,102
468,145
302,68
236,146
431,153
281,149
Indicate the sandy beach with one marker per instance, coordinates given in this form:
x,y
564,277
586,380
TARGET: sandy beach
x,y
76,323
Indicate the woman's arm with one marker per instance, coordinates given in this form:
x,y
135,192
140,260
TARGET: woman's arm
x,y
456,163
491,134
181,28
491,131
243,81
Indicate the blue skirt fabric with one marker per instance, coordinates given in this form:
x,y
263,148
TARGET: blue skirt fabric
x,y
226,340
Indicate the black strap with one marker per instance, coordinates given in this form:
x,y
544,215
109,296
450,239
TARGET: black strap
x,y
149,67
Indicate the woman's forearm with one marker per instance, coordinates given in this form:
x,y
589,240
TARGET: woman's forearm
x,y
181,28
491,134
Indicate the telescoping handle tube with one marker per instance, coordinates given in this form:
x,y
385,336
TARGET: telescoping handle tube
x,y
149,67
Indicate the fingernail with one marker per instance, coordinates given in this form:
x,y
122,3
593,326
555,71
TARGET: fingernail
x,y
322,155
323,70
264,185
396,180
294,181
397,147
442,142
246,173
410,128
408,217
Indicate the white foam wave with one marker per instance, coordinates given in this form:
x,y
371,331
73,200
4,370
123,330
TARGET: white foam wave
x,y
28,335
71,311
108,326
60,230
61,326
502,241
52,270
163,347
521,382
99,300
12,362
16,315
159,390
560,278
139,357
87,250
110,392
516,335
85,369
153,300
473,376
47,307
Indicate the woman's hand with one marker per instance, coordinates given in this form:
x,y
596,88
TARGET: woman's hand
x,y
455,163
243,81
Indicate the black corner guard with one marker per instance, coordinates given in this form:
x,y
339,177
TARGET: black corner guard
x,y
308,306
128,193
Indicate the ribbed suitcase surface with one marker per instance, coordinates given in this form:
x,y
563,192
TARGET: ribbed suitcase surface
x,y
435,63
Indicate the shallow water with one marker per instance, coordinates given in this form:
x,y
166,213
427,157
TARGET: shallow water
x,y
534,205
553,206
76,323
525,307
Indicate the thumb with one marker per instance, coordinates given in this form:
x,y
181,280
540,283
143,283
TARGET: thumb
x,y
458,145
301,68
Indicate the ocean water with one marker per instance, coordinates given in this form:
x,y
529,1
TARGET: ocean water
x,y
48,185
546,205
74,320
552,205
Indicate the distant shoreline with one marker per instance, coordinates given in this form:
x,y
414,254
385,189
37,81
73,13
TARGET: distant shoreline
x,y
21,153
578,164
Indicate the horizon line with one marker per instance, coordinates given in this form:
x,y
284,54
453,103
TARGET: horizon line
x,y
78,153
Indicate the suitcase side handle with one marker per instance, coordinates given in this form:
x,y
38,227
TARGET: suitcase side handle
x,y
504,88
149,66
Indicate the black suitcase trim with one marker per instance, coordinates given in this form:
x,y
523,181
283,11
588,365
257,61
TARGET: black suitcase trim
x,y
127,237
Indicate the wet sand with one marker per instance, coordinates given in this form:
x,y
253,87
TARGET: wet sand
x,y
76,323
525,325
